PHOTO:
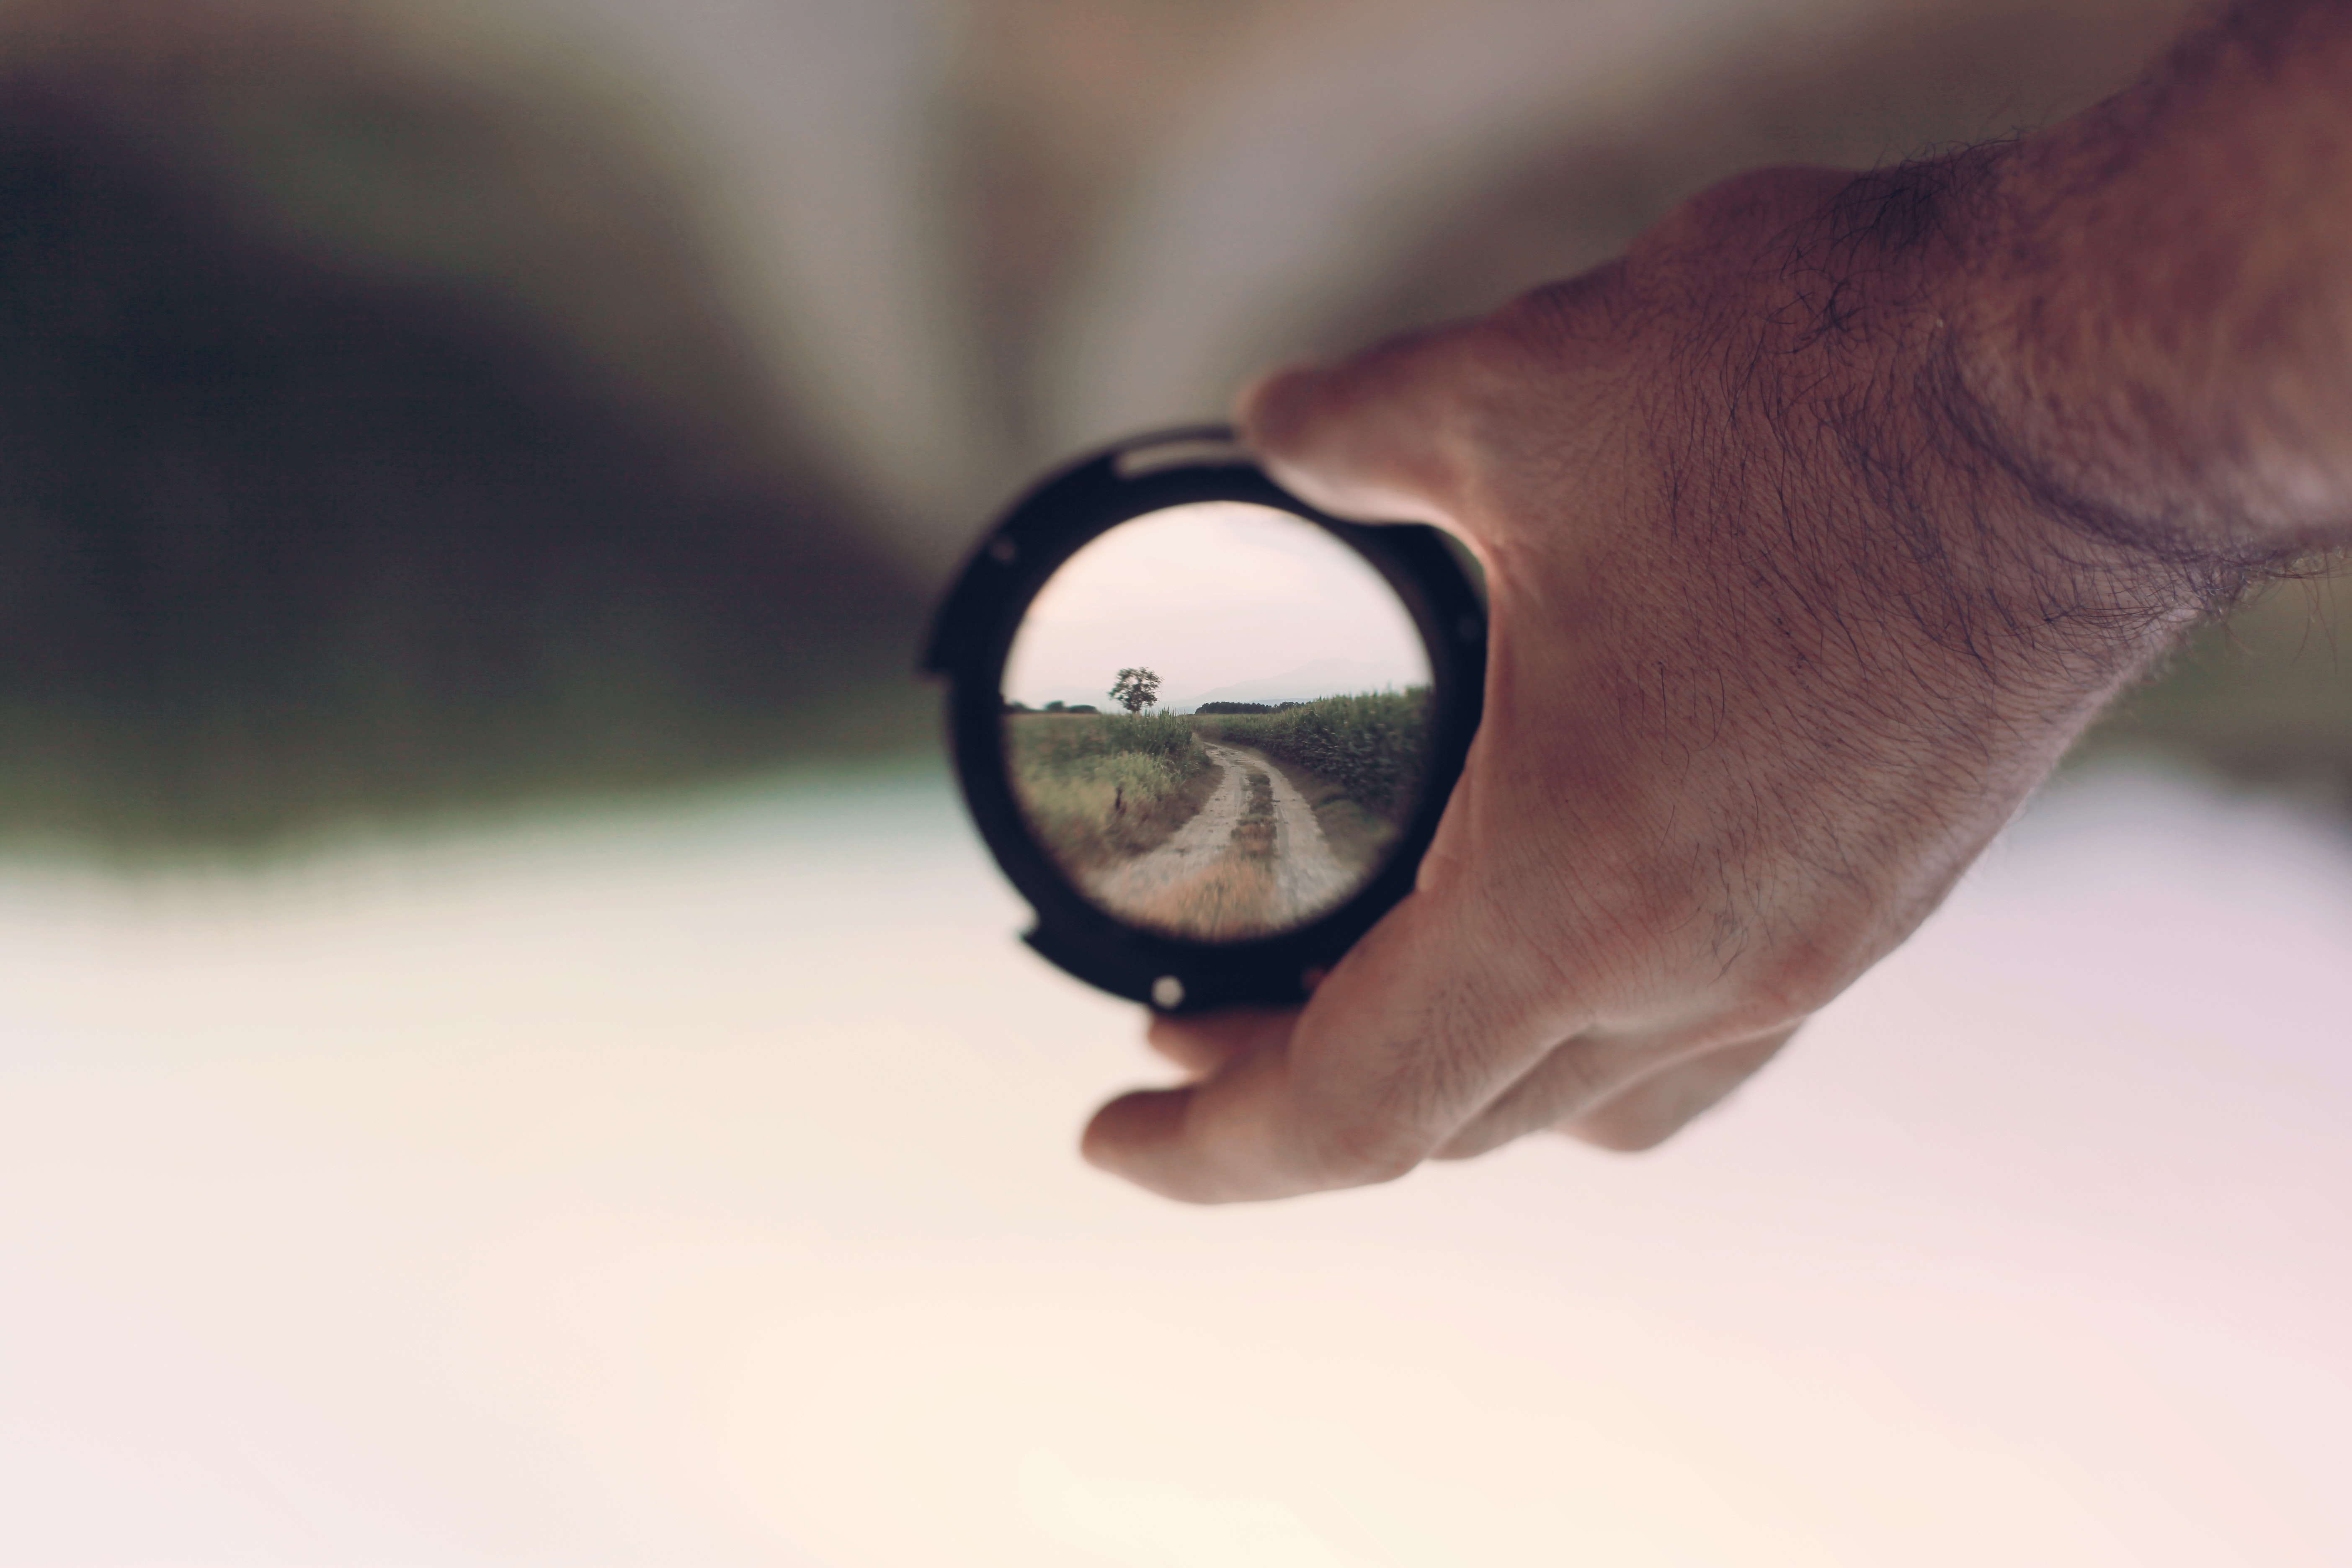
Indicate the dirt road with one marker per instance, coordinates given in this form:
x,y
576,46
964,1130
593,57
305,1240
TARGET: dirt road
x,y
1207,881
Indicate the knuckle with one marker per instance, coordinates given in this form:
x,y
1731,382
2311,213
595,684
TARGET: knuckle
x,y
1628,1135
1762,199
1639,1121
1769,1006
1658,914
1575,1074
1546,311
1797,979
1573,1077
1370,1152
1470,1144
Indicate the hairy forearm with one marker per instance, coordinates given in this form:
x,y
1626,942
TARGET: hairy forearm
x,y
2157,316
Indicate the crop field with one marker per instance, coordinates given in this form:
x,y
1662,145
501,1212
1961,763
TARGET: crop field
x,y
1372,746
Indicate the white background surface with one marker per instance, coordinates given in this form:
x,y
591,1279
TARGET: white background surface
x,y
698,1190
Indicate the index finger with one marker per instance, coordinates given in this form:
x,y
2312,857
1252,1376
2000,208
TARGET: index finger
x,y
1420,1025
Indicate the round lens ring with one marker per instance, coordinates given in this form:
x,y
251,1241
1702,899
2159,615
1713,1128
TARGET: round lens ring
x,y
1215,720
1206,729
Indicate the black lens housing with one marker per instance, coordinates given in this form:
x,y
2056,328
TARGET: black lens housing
x,y
973,636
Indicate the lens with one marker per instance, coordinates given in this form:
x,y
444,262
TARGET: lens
x,y
1215,719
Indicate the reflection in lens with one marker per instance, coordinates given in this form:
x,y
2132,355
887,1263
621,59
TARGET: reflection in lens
x,y
1215,717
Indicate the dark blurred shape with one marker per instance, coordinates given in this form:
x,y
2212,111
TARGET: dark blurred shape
x,y
287,539
2263,699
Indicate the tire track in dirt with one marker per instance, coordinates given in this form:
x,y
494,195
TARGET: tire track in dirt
x,y
1151,877
1308,878
1200,884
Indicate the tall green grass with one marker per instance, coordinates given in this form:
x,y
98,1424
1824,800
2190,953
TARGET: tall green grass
x,y
1373,745
1099,786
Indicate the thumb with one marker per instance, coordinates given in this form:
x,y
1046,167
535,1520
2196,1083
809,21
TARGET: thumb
x,y
1382,436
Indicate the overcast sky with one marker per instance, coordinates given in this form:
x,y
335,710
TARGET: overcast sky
x,y
1214,595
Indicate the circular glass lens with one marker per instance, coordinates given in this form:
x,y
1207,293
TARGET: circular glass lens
x,y
1215,719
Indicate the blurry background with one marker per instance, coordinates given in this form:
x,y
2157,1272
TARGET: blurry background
x,y
423,409
507,1053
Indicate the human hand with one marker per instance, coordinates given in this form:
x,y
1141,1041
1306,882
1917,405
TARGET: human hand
x,y
1777,643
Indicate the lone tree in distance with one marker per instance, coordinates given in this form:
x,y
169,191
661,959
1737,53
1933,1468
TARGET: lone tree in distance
x,y
1135,690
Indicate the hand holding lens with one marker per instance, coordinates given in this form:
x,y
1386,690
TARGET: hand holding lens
x,y
1206,729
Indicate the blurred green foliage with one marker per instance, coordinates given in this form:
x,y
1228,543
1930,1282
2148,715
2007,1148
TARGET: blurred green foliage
x,y
2263,697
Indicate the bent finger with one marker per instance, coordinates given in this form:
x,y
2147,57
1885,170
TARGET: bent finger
x,y
1575,1076
1416,1028
1653,1110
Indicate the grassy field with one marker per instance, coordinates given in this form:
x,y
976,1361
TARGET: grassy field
x,y
1105,788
